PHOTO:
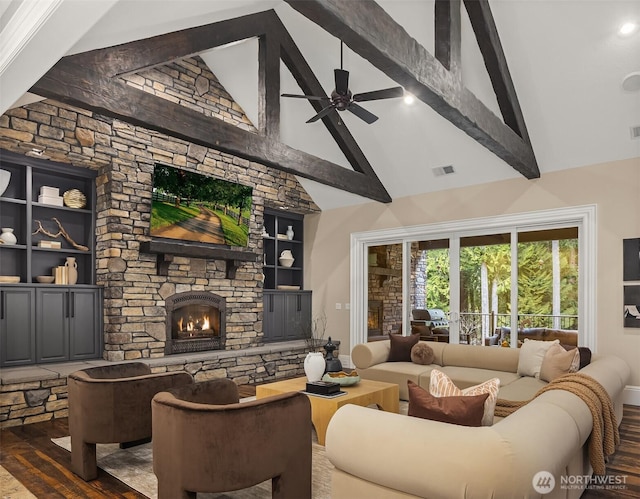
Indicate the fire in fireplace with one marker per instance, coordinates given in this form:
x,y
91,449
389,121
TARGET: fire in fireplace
x,y
374,318
195,322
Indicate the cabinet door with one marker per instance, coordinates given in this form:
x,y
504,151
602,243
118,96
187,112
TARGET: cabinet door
x,y
297,315
273,325
52,324
84,323
17,327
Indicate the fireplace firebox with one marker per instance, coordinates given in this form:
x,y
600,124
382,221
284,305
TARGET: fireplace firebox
x,y
195,322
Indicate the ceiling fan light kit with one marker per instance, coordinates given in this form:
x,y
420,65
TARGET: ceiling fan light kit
x,y
343,100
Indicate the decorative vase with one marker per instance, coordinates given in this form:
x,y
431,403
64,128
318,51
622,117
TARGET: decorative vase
x,y
286,258
289,232
5,176
8,236
72,270
314,366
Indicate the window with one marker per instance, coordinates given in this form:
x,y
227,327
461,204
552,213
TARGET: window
x,y
529,270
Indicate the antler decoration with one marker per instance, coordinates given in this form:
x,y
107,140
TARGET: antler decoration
x,y
61,232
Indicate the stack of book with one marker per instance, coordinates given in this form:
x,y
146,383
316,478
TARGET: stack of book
x,y
50,195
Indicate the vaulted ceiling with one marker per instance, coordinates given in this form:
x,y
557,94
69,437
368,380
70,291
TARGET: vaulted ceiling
x,y
563,67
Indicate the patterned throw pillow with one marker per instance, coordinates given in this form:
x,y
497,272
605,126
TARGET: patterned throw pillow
x,y
464,410
440,385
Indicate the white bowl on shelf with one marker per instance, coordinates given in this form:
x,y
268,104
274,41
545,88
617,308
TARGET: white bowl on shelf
x,y
45,279
5,177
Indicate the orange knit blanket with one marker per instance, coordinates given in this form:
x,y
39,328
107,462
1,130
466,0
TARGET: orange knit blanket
x,y
604,436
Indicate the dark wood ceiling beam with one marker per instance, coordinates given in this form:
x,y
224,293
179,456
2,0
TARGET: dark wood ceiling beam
x,y
81,87
484,27
269,86
448,35
150,52
370,32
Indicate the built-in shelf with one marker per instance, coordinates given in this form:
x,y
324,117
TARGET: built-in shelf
x,y
166,250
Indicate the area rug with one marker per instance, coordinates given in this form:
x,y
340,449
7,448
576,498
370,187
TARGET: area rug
x,y
134,467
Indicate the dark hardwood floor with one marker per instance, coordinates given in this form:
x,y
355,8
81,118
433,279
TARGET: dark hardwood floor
x,y
44,468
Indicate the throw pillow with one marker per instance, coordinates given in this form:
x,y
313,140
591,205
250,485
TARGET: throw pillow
x,y
440,385
585,354
421,353
558,361
460,410
401,347
531,355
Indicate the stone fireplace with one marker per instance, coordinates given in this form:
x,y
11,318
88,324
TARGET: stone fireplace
x,y
195,322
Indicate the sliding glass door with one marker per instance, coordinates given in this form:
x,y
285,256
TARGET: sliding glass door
x,y
476,285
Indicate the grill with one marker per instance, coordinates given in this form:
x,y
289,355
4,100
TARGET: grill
x,y
431,317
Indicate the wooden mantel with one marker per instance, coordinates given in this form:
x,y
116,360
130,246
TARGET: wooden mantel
x,y
166,250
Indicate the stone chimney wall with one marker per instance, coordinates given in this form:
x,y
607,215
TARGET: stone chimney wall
x,y
125,155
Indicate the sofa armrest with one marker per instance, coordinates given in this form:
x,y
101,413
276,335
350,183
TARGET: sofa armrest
x,y
415,456
427,458
365,355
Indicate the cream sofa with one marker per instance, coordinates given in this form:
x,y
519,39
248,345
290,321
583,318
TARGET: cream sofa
x,y
377,454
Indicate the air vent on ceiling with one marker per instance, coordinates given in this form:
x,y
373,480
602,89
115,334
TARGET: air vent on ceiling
x,y
635,132
443,170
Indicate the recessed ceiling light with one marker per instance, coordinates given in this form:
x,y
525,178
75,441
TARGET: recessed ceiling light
x,y
409,99
627,28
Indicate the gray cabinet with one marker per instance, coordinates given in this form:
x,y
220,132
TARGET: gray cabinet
x,y
49,323
287,308
287,315
17,326
46,322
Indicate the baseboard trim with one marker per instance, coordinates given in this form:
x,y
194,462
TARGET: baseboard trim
x,y
631,395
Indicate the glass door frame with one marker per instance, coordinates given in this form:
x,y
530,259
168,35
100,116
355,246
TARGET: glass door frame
x,y
582,217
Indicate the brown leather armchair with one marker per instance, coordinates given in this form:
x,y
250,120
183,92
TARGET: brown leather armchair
x,y
204,440
112,404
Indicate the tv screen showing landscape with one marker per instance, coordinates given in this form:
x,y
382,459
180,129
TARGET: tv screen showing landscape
x,y
188,206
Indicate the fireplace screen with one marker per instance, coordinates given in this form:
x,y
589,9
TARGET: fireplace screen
x,y
195,322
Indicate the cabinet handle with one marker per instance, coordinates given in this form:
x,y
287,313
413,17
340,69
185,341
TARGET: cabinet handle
x,y
270,303
72,305
1,304
299,303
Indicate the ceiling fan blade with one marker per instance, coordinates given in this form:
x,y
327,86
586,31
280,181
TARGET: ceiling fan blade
x,y
342,81
309,97
322,113
362,113
387,93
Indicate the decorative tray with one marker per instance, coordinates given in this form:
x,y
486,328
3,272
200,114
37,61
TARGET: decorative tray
x,y
342,378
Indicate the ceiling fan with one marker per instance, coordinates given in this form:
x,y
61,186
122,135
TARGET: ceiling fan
x,y
342,99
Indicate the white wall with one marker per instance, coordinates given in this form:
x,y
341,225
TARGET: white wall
x,y
613,187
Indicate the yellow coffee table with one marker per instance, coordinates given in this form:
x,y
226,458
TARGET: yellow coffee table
x,y
385,395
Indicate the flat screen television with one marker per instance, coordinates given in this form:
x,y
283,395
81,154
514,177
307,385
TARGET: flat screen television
x,y
188,206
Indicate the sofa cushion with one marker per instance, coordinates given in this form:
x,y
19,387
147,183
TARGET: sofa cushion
x,y
441,385
523,388
401,347
498,359
558,361
398,373
464,377
531,355
421,353
457,409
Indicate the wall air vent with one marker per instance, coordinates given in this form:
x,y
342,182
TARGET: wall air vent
x,y
443,170
635,132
